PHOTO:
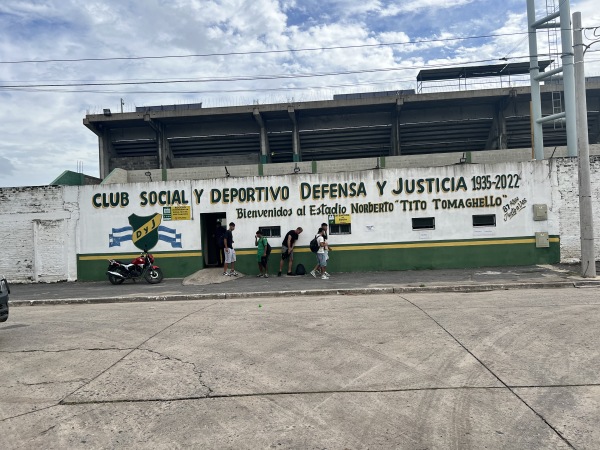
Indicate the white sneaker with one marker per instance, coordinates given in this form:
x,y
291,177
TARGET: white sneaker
x,y
234,274
225,274
266,275
312,272
326,274
324,277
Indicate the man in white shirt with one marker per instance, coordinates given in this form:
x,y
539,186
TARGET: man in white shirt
x,y
321,256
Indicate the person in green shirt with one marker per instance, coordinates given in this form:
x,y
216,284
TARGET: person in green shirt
x,y
261,254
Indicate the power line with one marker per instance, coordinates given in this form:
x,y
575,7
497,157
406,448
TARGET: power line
x,y
261,52
40,87
207,79
234,78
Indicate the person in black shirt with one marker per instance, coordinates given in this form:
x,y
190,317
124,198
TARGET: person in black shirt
x,y
287,250
229,252
219,239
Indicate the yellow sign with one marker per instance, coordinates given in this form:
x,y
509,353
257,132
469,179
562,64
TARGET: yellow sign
x,y
339,219
177,213
180,213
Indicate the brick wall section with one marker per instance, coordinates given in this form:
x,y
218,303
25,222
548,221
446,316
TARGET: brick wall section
x,y
568,204
219,160
139,176
116,176
137,163
287,168
38,233
196,169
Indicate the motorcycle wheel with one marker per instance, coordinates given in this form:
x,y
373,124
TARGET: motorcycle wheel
x,y
114,279
154,276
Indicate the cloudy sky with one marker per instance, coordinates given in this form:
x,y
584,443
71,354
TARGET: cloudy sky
x,y
284,50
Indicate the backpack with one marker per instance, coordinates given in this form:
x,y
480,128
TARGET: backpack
x,y
300,270
314,245
268,246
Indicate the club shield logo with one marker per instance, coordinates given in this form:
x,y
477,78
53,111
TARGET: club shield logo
x,y
145,230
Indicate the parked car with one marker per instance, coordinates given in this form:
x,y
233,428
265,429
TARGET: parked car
x,y
4,291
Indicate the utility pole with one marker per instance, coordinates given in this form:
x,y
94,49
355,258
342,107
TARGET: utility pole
x,y
568,77
586,219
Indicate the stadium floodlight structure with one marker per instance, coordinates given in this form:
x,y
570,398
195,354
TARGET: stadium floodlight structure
x,y
567,69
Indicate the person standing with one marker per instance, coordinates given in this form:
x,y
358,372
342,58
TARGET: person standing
x,y
327,247
261,254
317,270
229,252
287,250
219,236
321,256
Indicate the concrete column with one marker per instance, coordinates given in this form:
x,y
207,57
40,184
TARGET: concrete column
x,y
586,215
534,70
567,56
497,138
395,149
165,155
105,148
106,152
297,152
595,135
264,137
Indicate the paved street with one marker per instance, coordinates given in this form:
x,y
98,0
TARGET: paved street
x,y
209,283
504,369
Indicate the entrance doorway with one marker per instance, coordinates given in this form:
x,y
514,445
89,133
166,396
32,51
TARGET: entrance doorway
x,y
208,228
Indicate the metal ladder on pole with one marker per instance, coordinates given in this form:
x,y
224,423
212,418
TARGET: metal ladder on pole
x,y
554,55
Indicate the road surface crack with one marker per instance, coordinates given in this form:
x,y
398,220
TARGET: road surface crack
x,y
558,433
69,350
199,373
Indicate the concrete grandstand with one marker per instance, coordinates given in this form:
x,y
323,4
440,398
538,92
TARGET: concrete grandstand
x,y
376,125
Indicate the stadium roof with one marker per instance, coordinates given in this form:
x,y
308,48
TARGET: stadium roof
x,y
494,70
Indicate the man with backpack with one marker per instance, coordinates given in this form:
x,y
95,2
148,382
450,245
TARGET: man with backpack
x,y
317,270
287,250
262,254
320,244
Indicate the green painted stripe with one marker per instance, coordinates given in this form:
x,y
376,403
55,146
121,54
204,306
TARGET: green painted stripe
x,y
419,244
358,259
97,257
173,265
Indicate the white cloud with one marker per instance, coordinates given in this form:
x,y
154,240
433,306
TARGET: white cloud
x,y
416,6
42,132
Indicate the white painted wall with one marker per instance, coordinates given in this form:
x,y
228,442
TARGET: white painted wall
x,y
568,206
37,233
536,184
42,229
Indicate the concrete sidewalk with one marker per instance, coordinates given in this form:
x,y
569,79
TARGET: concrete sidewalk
x,y
211,284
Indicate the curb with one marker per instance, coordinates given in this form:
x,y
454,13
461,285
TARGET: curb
x,y
313,293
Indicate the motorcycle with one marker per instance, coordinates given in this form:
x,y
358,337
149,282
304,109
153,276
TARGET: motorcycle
x,y
141,267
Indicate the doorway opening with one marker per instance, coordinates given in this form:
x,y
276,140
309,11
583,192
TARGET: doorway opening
x,y
209,228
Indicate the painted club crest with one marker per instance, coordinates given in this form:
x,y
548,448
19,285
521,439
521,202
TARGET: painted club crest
x,y
145,230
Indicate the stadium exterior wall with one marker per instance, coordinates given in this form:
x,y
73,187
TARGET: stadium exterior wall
x,y
69,232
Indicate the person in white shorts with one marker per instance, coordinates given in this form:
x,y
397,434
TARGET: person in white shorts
x,y
321,256
229,252
317,270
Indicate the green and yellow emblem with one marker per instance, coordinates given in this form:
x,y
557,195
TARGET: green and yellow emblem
x,y
145,230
